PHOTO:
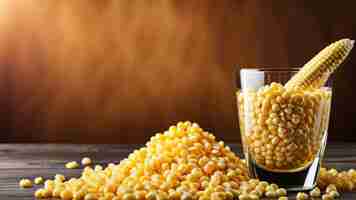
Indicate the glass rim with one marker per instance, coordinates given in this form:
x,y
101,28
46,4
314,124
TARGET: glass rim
x,y
271,69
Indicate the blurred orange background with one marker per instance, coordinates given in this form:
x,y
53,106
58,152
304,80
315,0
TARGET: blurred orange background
x,y
118,71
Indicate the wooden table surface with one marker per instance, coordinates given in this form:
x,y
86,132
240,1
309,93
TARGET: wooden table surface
x,y
32,160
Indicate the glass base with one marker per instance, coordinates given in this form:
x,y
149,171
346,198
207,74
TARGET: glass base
x,y
300,180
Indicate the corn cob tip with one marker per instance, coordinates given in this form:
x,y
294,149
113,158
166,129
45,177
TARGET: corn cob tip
x,y
348,42
317,70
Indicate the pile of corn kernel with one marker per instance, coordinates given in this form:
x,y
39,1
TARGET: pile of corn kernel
x,y
184,162
283,129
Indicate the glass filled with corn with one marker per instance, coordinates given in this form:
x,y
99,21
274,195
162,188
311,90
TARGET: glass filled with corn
x,y
283,131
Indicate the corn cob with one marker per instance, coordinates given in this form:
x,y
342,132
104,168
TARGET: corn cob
x,y
316,72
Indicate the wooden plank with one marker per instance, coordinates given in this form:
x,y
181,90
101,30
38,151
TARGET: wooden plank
x,y
32,160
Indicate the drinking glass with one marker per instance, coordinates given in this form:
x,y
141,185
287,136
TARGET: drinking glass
x,y
283,131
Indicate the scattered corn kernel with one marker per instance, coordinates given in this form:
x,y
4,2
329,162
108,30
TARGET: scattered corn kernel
x,y
302,196
334,194
315,192
86,161
38,180
25,183
327,197
281,192
72,165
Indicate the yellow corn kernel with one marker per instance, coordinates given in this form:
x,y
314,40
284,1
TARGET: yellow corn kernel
x,y
72,165
244,197
330,188
334,194
327,197
91,196
302,196
151,196
316,72
281,192
39,193
315,192
98,168
49,183
209,168
38,180
66,195
57,192
271,194
59,177
25,183
174,195
79,195
46,193
253,197
128,196
229,196
140,195
186,196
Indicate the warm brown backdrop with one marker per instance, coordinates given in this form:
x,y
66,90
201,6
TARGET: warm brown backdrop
x,y
117,71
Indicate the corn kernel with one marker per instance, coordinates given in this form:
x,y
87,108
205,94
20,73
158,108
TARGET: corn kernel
x,y
46,193
39,193
244,197
57,192
72,165
91,196
59,177
253,197
315,192
25,183
334,194
330,188
302,196
66,195
327,197
38,180
78,195
281,192
128,196
151,196
271,194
